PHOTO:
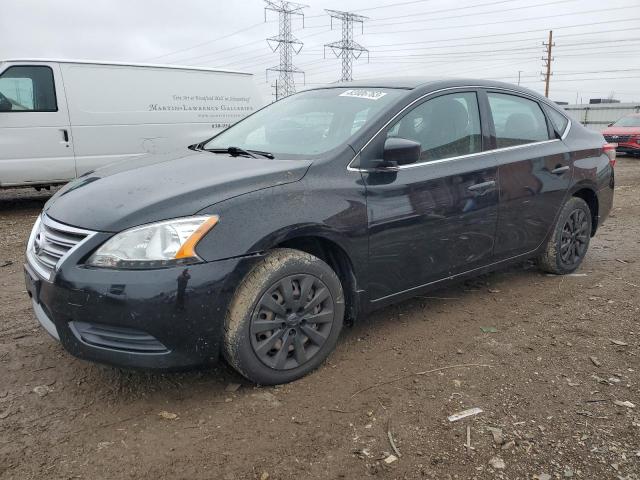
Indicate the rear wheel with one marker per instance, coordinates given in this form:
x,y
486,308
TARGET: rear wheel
x,y
285,318
568,244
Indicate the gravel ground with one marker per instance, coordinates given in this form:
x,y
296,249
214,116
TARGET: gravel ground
x,y
562,352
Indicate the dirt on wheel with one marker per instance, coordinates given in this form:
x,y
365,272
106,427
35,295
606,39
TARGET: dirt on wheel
x,y
553,362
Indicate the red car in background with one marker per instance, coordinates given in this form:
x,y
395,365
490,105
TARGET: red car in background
x,y
625,133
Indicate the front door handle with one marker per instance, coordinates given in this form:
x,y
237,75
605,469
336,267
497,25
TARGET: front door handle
x,y
482,186
560,170
65,135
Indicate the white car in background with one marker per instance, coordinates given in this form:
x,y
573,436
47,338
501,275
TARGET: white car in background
x,y
61,118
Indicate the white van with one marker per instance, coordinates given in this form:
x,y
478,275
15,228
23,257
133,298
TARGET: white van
x,y
60,119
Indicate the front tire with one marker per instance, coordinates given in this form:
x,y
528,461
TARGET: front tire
x,y
284,319
569,242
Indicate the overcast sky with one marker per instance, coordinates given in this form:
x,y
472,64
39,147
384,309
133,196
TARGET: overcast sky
x,y
597,50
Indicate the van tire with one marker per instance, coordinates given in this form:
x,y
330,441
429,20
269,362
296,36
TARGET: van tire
x,y
569,241
268,307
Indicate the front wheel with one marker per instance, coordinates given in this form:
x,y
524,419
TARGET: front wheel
x,y
568,244
285,318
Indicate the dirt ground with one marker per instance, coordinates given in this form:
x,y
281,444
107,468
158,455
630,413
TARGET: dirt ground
x,y
564,350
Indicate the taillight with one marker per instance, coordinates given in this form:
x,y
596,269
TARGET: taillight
x,y
610,150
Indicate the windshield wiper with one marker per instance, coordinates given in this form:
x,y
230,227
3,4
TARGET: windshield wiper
x,y
237,151
268,155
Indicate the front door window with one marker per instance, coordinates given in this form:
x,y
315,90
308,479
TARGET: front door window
x,y
446,126
27,89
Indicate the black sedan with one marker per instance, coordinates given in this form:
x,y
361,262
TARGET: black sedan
x,y
260,243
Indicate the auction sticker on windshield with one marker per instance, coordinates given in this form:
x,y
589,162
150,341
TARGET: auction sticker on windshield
x,y
368,94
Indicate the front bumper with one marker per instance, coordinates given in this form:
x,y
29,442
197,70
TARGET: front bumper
x,y
140,319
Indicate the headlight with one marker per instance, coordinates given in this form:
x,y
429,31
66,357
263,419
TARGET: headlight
x,y
156,245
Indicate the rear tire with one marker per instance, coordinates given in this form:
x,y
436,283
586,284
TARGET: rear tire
x,y
284,319
568,244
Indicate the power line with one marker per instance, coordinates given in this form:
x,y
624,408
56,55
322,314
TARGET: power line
x,y
595,79
389,5
538,30
432,12
598,71
242,30
209,54
595,42
220,51
484,24
460,15
247,62
474,37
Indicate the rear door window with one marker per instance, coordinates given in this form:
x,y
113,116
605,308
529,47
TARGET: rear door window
x,y
27,89
517,120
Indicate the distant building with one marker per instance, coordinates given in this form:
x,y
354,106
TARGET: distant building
x,y
598,116
603,100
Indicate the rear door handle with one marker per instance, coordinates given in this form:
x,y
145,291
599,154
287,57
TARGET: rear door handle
x,y
482,186
65,135
560,170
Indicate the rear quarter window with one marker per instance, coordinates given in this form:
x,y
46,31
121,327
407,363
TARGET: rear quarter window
x,y
558,120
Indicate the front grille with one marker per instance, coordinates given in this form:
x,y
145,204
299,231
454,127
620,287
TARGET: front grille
x,y
617,138
51,242
117,338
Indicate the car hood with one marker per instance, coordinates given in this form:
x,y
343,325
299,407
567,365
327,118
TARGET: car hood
x,y
150,189
621,131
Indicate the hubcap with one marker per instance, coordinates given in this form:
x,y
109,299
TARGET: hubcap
x,y
292,321
574,238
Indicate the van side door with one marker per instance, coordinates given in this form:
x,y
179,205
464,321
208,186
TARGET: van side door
x,y
534,172
35,142
435,218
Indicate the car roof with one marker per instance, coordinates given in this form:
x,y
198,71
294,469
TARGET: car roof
x,y
428,84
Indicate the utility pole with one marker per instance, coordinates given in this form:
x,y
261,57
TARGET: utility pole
x,y
347,49
547,63
286,43
519,72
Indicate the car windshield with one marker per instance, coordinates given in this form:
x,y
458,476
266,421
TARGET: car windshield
x,y
307,124
633,121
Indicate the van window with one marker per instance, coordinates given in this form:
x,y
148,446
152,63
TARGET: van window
x,y
517,120
27,89
446,126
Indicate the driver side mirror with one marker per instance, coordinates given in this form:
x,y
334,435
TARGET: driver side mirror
x,y
400,151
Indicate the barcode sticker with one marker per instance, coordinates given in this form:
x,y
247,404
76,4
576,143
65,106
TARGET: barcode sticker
x,y
368,94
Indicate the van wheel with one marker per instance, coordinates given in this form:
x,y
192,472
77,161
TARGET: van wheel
x,y
284,319
568,244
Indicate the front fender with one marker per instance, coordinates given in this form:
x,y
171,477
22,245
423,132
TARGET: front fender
x,y
313,207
